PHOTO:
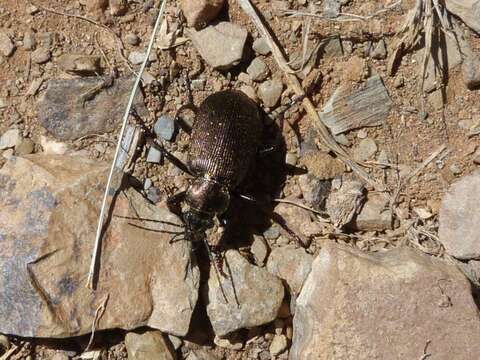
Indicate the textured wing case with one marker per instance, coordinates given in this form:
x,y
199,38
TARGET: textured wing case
x,y
225,137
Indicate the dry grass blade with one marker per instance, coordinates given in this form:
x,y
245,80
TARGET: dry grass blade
x,y
295,85
96,249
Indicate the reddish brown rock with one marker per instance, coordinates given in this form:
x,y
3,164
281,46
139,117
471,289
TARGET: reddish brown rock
x,y
389,305
49,211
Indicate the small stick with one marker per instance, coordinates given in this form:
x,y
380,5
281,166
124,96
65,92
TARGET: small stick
x,y
98,315
290,202
96,250
425,163
9,353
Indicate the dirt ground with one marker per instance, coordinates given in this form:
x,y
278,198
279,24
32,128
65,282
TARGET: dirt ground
x,y
414,129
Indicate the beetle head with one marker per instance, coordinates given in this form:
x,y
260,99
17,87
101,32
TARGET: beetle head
x,y
207,196
196,223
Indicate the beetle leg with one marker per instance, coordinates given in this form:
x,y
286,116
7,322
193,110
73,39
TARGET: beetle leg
x,y
173,202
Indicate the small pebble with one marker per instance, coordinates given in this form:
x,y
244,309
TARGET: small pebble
x,y
291,159
10,139
258,70
31,9
272,233
132,39
29,41
165,127
259,250
136,57
25,147
270,92
147,184
260,46
362,134
6,45
154,155
41,55
198,84
455,169
399,82
154,195
380,50
278,345
365,150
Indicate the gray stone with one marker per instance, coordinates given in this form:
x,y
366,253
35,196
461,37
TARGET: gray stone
x,y
331,8
10,139
270,91
349,109
258,70
66,116
165,127
259,296
136,57
200,12
357,305
259,250
380,50
290,264
132,39
222,45
41,56
232,342
467,10
458,229
154,155
260,46
332,47
366,150
150,345
6,45
50,206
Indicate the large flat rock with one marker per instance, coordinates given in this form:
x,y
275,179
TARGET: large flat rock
x,y
70,108
49,210
391,305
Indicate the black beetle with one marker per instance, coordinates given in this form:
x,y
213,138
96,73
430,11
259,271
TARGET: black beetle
x,y
225,139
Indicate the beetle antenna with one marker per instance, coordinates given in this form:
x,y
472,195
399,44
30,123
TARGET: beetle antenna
x,y
215,266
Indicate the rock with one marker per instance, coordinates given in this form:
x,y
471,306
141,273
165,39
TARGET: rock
x,y
259,250
200,12
150,345
270,91
352,109
60,356
314,190
355,305
258,70
471,70
26,146
375,214
331,8
260,46
458,229
298,220
6,45
278,345
233,342
118,7
399,81
41,55
51,147
222,45
366,149
49,219
467,10
322,165
249,91
67,117
79,64
176,341
95,6
198,84
290,264
4,342
455,169
344,203
331,47
164,127
3,103
154,155
259,295
136,57
380,50
132,39
10,139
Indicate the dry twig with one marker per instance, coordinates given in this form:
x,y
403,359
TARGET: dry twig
x,y
98,315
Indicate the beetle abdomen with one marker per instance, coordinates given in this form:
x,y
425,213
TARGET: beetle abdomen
x,y
225,137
